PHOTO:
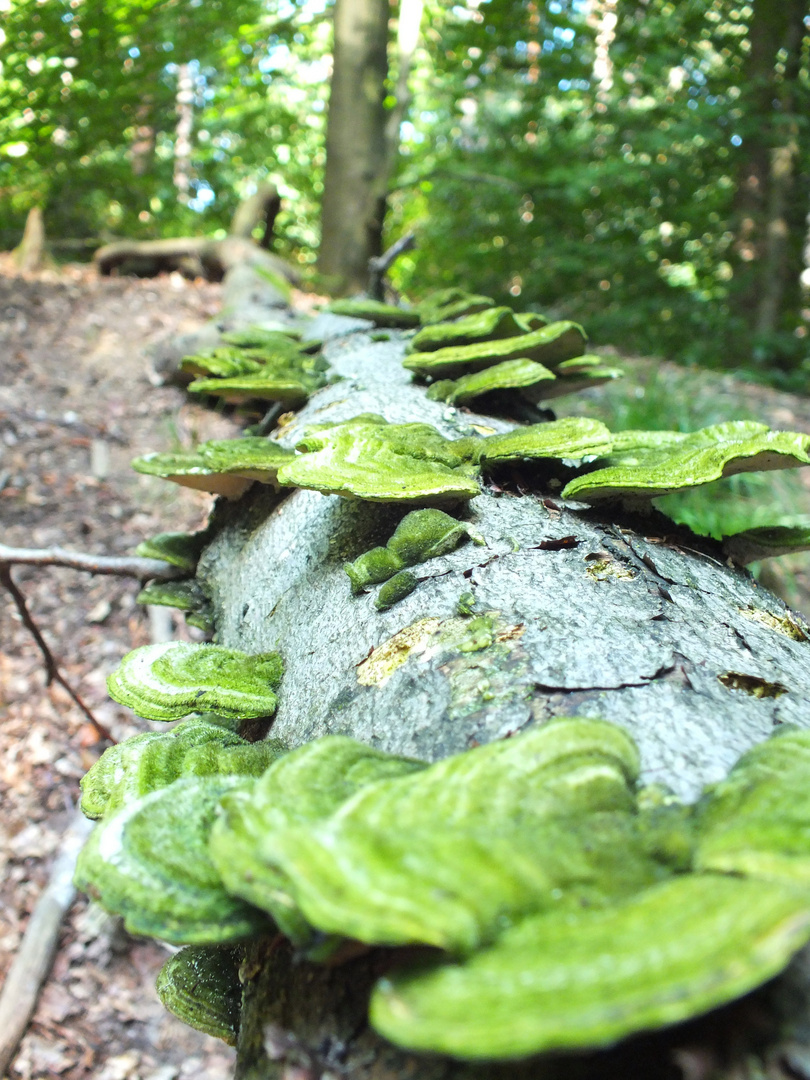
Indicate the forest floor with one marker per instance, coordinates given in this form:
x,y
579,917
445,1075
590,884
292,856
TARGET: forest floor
x,y
76,404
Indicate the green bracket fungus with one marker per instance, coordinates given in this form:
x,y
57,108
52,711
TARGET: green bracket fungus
x,y
510,375
178,549
149,863
256,386
221,363
396,589
298,790
588,978
200,985
421,535
452,303
262,337
751,545
185,595
366,458
573,438
550,345
199,746
223,466
757,821
169,680
580,373
554,804
487,325
649,467
377,312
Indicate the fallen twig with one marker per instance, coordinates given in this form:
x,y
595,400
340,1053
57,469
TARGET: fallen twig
x,y
126,566
28,972
52,672
378,265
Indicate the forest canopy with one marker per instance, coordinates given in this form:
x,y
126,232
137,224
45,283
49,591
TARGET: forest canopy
x,y
641,165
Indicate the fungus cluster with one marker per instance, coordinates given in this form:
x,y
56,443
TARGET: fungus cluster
x,y
563,905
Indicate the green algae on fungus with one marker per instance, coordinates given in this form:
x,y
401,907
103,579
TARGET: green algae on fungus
x,y
651,464
510,375
549,345
367,458
575,979
207,745
223,466
574,438
452,303
200,986
176,548
149,863
757,821
222,363
170,679
263,337
487,325
296,791
572,376
495,832
375,311
184,594
421,535
396,589
290,391
766,542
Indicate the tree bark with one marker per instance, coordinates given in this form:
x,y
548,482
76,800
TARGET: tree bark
x,y
354,193
641,642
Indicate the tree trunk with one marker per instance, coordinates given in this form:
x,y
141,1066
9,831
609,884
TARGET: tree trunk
x,y
769,217
354,197
592,614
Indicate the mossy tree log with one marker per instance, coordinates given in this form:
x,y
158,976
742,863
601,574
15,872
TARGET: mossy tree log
x,y
574,612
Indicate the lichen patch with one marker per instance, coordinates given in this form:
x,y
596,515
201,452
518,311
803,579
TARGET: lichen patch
x,y
382,662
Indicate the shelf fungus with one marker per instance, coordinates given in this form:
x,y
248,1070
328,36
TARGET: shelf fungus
x,y
169,680
185,595
571,439
149,863
221,363
487,325
421,535
386,315
452,303
495,832
757,821
223,466
367,458
256,386
205,745
586,978
651,464
510,375
179,549
262,337
766,542
200,986
300,789
549,345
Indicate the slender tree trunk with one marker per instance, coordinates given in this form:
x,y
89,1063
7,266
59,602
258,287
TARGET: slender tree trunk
x,y
182,137
643,644
603,17
768,219
354,197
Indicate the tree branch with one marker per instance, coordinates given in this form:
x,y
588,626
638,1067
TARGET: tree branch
x,y
52,672
128,566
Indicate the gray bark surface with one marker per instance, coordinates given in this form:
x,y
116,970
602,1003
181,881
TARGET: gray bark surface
x,y
593,615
